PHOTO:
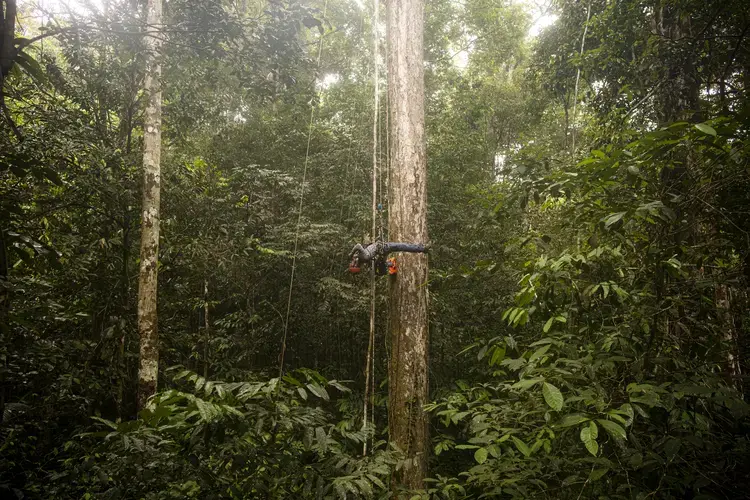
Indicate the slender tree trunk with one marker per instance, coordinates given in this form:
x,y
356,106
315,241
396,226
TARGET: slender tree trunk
x,y
4,310
578,78
4,288
207,328
407,219
125,306
722,299
147,280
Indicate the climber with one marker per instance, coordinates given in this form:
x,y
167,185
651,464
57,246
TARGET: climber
x,y
378,253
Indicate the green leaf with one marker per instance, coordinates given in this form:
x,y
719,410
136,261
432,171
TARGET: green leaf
x,y
321,438
526,383
613,429
364,487
497,355
482,352
208,388
480,455
513,364
596,474
539,352
619,418
521,446
34,69
613,218
339,386
472,346
706,129
672,447
109,424
318,391
588,436
598,153
552,396
457,417
548,324
572,419
205,409
376,481
199,383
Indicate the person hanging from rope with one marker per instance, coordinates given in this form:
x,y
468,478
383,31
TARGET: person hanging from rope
x,y
377,254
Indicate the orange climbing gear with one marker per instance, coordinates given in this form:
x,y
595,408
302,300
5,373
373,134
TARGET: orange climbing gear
x,y
392,267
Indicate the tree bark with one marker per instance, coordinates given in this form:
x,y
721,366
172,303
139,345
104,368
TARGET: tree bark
x,y
147,280
7,37
8,53
407,219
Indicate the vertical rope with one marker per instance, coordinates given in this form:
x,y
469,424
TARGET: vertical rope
x,y
387,336
578,77
371,343
299,214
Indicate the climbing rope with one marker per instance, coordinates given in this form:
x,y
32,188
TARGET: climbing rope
x,y
578,77
299,213
370,362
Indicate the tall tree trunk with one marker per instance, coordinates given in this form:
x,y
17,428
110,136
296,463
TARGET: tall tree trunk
x,y
407,219
147,280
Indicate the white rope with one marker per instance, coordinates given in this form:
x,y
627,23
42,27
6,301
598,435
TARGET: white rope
x,y
299,213
371,344
578,76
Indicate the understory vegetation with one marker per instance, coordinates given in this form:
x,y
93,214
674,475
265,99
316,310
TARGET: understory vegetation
x,y
588,180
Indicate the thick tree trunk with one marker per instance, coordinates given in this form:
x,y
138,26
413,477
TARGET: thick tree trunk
x,y
147,280
407,219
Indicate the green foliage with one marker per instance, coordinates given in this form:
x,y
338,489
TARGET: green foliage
x,y
241,439
614,319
